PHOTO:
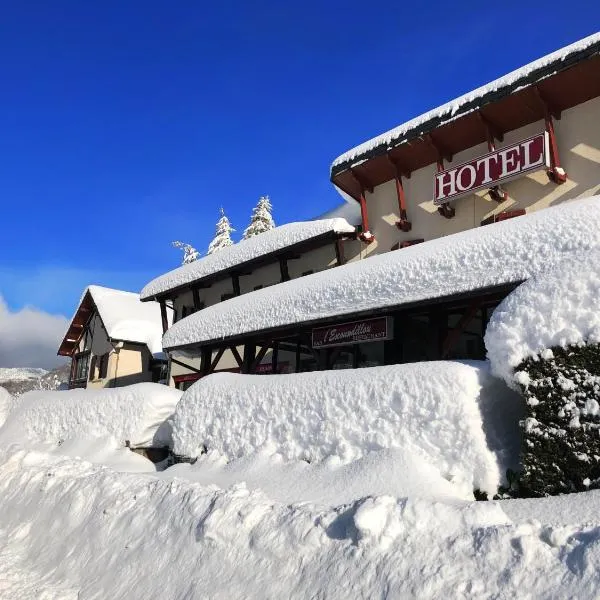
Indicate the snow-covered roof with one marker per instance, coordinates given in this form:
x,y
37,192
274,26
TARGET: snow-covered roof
x,y
125,317
498,254
469,101
245,251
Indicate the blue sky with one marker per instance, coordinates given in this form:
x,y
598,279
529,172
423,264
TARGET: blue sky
x,y
125,125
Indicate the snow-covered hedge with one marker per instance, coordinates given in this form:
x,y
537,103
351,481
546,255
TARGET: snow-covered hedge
x,y
561,450
558,307
135,413
435,409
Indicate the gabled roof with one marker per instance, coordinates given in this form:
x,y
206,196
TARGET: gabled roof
x,y
561,79
249,253
124,317
477,259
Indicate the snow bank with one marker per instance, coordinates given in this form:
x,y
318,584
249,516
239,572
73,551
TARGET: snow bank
x,y
136,413
430,409
449,111
558,307
246,250
397,472
502,253
75,530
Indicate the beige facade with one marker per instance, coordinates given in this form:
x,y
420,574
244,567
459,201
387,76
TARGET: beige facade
x,y
108,363
578,139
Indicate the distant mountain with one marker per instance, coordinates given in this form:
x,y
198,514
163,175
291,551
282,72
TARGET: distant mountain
x,y
17,381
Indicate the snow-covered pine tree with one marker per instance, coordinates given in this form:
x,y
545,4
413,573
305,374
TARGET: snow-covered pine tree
x,y
190,254
261,219
223,235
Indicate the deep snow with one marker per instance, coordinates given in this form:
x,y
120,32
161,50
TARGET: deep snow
x,y
506,252
433,411
135,413
558,307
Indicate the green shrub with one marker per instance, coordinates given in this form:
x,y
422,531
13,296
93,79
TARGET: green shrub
x,y
561,431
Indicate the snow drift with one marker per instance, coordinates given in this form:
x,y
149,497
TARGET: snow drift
x,y
75,530
6,404
558,307
135,413
431,409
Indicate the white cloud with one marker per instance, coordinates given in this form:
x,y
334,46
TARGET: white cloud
x,y
30,337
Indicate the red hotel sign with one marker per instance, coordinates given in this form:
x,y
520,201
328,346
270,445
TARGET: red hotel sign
x,y
491,169
369,330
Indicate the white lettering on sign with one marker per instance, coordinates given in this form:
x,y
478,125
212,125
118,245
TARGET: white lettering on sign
x,y
491,169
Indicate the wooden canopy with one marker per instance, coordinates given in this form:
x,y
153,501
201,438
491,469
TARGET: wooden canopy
x,y
77,326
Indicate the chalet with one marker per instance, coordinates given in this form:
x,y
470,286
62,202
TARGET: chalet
x,y
114,340
454,178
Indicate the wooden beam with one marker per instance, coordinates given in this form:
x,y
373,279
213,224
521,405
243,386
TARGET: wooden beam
x,y
547,104
259,357
235,282
439,148
236,355
283,269
205,361
182,364
163,317
249,354
275,357
491,129
216,359
363,181
340,256
196,299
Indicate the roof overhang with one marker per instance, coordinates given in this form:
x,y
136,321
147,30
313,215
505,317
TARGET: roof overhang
x,y
491,294
289,252
558,86
77,326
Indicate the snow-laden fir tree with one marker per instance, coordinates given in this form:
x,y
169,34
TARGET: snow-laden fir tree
x,y
261,219
222,236
190,254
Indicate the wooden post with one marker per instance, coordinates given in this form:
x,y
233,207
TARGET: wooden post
x,y
205,361
339,252
163,316
275,357
196,297
283,269
235,282
249,355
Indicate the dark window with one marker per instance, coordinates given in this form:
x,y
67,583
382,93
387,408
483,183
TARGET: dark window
x,y
80,371
310,272
227,296
258,287
93,363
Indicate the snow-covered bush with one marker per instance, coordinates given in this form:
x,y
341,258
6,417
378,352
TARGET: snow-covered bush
x,y
561,450
135,413
543,339
435,410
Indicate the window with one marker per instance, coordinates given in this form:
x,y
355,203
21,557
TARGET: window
x,y
93,366
80,369
310,272
227,296
258,287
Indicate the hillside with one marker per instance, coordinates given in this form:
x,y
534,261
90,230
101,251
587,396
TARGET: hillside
x,y
17,381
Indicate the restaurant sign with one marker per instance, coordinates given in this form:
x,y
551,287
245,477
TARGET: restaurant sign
x,y
369,330
492,169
